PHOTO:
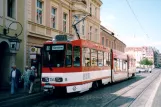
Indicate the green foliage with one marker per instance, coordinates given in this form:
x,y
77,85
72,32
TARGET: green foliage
x,y
145,61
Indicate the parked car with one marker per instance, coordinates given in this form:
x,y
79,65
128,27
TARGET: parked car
x,y
140,70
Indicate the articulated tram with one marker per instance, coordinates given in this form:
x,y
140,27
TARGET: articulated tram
x,y
79,65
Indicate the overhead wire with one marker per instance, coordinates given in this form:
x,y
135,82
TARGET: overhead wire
x,y
137,18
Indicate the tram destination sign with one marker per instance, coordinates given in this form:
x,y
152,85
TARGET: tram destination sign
x,y
61,38
58,47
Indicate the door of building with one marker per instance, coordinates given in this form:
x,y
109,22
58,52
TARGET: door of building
x,y
4,64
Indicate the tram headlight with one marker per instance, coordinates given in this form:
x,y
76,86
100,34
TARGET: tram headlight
x,y
45,79
58,79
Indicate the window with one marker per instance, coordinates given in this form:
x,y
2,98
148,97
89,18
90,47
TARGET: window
x,y
76,50
118,65
64,22
11,8
115,65
53,55
102,40
68,60
39,11
86,60
83,27
53,17
112,45
95,33
93,57
90,33
96,11
109,44
100,58
106,59
106,42
90,8
121,65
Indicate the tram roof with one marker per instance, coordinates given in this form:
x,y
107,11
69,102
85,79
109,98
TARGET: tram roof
x,y
90,44
83,43
119,55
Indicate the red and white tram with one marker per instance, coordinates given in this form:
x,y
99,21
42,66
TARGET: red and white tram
x,y
79,65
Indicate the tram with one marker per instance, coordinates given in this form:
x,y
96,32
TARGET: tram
x,y
80,65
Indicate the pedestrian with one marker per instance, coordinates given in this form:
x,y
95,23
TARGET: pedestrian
x,y
26,75
15,75
32,78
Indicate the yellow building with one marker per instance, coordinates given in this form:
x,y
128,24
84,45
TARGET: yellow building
x,y
11,24
47,18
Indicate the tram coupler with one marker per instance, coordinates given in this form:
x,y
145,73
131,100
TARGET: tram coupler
x,y
48,89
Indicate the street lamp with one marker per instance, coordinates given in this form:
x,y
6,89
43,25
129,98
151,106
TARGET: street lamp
x,y
14,41
14,44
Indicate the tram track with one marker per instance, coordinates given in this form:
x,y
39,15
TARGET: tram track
x,y
108,98
125,91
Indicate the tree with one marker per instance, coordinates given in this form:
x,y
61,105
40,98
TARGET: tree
x,y
146,61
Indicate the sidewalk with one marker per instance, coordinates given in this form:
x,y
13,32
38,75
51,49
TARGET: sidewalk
x,y
6,94
156,100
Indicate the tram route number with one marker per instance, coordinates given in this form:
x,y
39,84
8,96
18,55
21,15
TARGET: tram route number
x,y
86,76
52,79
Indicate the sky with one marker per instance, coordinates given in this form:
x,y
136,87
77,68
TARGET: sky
x,y
117,17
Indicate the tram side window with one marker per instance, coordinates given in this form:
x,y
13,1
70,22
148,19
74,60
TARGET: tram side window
x,y
76,50
118,65
121,65
86,57
68,58
124,65
100,58
106,59
115,64
93,57
109,59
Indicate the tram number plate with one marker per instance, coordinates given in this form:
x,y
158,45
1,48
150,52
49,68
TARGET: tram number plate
x,y
86,76
49,87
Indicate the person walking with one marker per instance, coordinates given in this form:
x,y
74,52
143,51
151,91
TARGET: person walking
x,y
26,75
15,75
32,78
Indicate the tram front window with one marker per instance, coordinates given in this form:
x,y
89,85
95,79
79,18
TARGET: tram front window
x,y
54,55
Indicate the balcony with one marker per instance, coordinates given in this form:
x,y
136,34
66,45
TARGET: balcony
x,y
79,5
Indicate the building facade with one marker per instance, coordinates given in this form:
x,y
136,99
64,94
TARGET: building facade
x,y
156,57
47,18
141,52
109,40
158,62
11,27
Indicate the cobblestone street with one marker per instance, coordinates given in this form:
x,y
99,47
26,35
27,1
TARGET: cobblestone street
x,y
134,92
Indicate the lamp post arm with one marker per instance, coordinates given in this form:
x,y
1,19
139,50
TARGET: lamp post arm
x,y
19,24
